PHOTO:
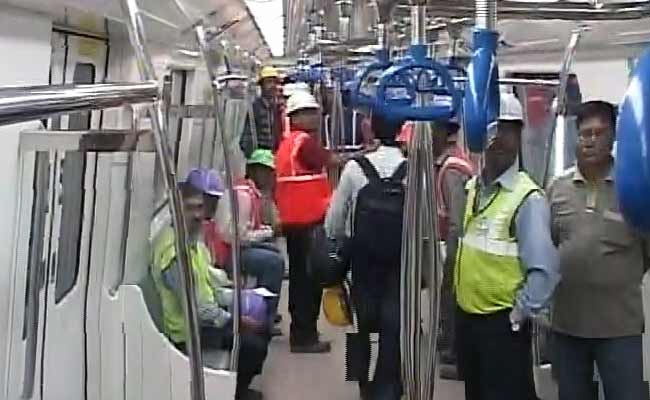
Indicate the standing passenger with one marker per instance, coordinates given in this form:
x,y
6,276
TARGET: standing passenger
x,y
506,268
597,308
375,262
303,194
453,170
267,112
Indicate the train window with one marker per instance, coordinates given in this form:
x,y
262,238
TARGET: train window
x,y
73,168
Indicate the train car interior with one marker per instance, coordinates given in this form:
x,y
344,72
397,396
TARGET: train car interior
x,y
107,108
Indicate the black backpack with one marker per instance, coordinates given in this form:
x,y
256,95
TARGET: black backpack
x,y
378,214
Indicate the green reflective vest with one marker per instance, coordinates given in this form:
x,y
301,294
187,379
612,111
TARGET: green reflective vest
x,y
164,256
488,271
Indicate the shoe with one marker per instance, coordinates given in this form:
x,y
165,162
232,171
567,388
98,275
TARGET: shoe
x,y
313,348
449,372
276,331
249,394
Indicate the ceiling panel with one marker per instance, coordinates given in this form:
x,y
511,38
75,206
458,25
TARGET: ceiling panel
x,y
164,23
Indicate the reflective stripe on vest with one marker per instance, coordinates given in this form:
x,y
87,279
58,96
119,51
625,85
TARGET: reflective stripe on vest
x,y
302,178
164,256
488,270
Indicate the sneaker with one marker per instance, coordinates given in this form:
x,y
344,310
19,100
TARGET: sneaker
x,y
249,394
276,331
313,348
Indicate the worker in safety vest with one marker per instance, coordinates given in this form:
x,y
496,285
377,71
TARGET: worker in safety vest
x,y
453,169
302,195
260,257
506,268
214,300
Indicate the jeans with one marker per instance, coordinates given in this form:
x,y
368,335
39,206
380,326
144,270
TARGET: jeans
x,y
619,362
304,292
265,262
495,362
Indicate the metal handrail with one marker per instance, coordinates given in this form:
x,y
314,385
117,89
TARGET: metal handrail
x,y
19,104
135,27
542,10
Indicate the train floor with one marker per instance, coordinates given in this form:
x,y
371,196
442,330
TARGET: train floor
x,y
319,377
322,377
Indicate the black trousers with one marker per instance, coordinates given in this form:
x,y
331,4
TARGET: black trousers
x,y
252,351
304,293
495,362
376,299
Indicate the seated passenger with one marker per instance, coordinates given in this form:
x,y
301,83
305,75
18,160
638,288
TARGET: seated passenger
x,y
260,257
213,299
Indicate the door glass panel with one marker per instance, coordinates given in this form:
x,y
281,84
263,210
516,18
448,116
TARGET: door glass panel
x,y
35,267
83,73
73,168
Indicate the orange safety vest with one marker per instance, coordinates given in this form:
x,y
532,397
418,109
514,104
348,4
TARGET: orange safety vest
x,y
459,162
301,195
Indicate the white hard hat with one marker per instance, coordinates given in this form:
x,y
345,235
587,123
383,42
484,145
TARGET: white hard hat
x,y
300,100
291,88
510,109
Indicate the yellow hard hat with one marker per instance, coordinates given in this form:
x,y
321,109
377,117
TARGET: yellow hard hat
x,y
268,72
336,306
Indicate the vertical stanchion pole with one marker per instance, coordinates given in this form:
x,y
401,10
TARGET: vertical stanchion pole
x,y
232,195
147,72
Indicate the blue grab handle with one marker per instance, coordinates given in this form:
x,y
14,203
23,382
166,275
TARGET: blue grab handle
x,y
633,148
381,63
481,101
406,108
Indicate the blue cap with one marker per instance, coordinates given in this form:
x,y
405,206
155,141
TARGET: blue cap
x,y
205,180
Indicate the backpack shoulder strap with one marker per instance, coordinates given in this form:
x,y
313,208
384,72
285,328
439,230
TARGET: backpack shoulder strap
x,y
400,172
368,169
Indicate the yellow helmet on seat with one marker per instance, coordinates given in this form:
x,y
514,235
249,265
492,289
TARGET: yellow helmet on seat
x,y
268,72
336,306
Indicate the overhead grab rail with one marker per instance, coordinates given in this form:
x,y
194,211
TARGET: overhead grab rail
x,y
20,104
159,124
568,11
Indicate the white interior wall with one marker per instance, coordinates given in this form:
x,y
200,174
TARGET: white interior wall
x,y
600,79
25,42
